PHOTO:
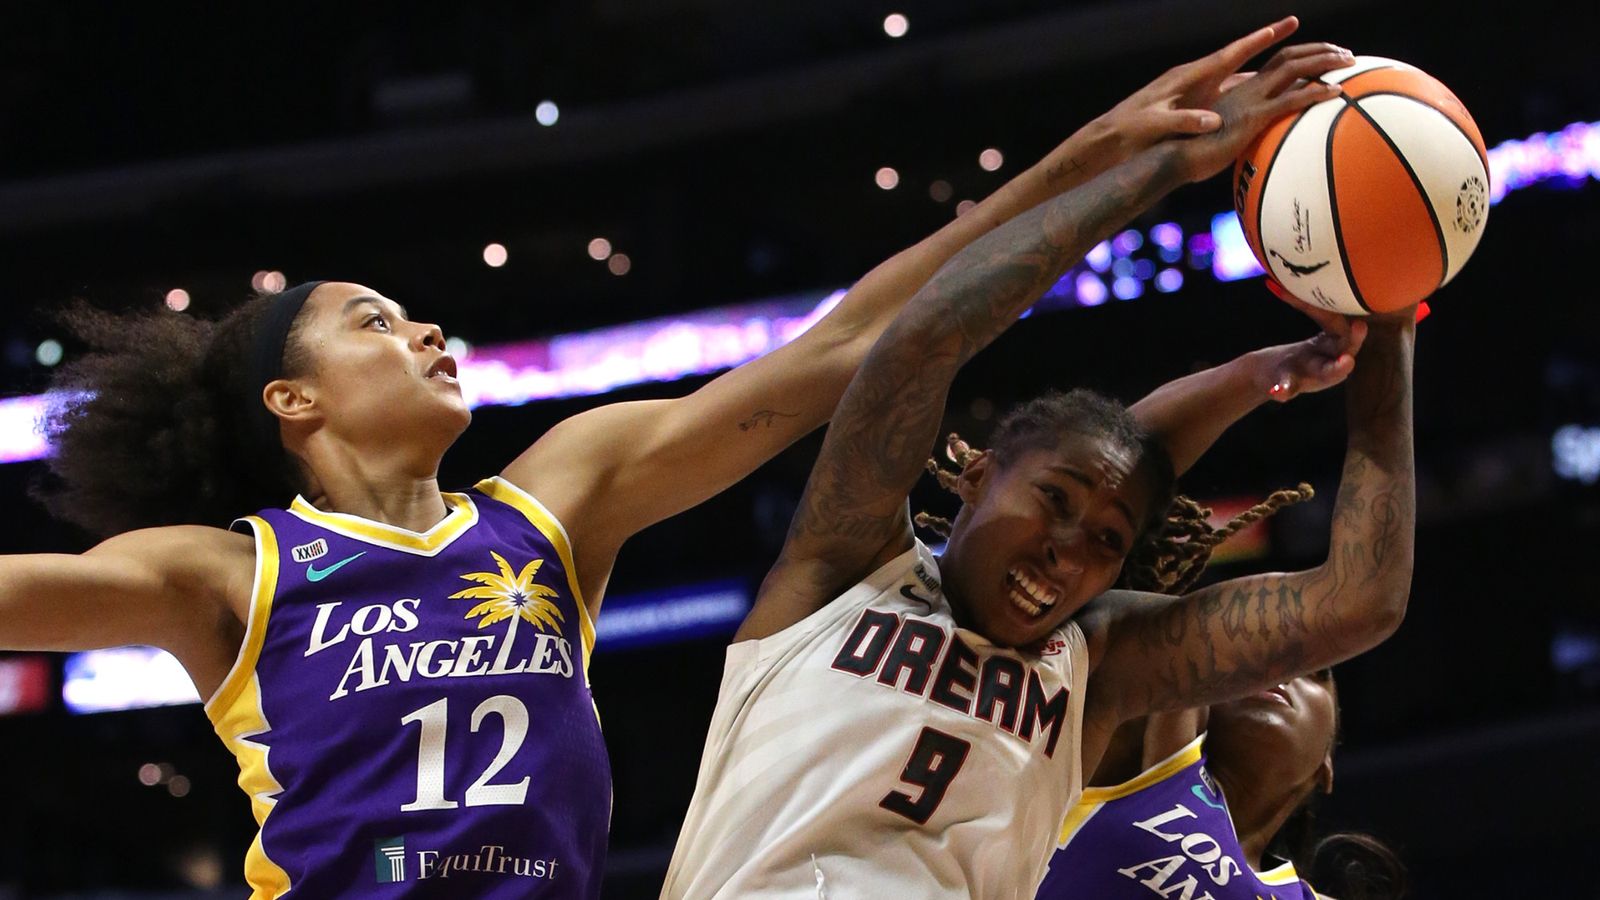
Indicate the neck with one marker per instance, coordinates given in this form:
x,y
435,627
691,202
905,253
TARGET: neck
x,y
1257,814
392,488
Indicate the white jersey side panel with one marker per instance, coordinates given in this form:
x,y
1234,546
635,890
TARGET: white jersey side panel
x,y
834,737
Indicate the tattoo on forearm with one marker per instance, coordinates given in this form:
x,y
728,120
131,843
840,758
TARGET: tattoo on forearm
x,y
1067,167
889,417
765,417
1231,638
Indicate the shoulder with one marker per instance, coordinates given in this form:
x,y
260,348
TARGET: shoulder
x,y
1099,616
185,559
179,545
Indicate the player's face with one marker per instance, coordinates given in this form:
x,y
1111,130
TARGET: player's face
x,y
1293,724
376,374
1039,538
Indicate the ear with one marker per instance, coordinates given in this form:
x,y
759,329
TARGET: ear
x,y
291,400
969,485
1324,776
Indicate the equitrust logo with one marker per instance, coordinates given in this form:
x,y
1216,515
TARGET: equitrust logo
x,y
389,863
389,859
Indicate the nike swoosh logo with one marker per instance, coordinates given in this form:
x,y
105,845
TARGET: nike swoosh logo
x,y
909,594
1206,798
315,574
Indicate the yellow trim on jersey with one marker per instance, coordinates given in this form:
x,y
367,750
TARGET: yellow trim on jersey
x,y
1280,875
549,526
236,726
264,585
462,516
236,714
1095,797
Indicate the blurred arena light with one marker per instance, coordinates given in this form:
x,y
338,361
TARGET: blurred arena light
x,y
125,678
1575,452
595,362
49,352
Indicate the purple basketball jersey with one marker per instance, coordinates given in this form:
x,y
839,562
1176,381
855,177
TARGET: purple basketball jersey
x,y
411,712
1166,834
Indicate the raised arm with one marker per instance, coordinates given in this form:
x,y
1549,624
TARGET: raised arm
x,y
615,470
176,588
853,514
1152,652
1189,414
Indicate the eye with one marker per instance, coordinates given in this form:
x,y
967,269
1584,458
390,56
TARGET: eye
x,y
377,319
1058,497
1113,541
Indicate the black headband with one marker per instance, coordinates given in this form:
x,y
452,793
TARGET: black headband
x,y
266,351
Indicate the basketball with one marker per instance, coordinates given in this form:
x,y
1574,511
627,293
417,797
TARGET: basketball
x,y
1372,200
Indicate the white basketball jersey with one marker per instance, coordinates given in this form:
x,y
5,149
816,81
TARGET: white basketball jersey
x,y
875,749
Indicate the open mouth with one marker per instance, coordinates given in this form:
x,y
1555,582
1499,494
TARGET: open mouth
x,y
1029,593
1275,694
443,369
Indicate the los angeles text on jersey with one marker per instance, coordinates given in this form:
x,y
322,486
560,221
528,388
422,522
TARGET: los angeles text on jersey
x,y
922,658
380,659
1171,874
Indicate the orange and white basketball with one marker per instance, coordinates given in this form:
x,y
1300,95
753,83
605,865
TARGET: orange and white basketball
x,y
1370,201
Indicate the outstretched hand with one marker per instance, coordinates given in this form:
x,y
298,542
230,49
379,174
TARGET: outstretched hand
x,y
1286,84
1314,364
1318,363
1183,99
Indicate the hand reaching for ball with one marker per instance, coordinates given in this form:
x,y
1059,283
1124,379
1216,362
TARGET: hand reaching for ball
x,y
1285,85
1314,364
1181,100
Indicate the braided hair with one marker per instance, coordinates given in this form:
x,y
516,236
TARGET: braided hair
x,y
1169,560
1171,556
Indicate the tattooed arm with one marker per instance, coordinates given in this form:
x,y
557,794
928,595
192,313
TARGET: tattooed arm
x,y
612,471
1152,652
852,516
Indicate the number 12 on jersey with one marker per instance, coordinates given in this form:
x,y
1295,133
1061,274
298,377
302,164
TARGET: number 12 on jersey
x,y
430,755
935,761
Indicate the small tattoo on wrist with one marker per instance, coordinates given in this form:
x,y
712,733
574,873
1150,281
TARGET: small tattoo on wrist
x,y
764,417
1067,167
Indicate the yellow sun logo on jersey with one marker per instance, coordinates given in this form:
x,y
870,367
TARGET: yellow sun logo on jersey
x,y
508,596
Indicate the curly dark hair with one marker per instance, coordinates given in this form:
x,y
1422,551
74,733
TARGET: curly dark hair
x,y
153,425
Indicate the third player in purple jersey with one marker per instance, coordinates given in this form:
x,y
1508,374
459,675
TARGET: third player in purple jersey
x,y
1166,833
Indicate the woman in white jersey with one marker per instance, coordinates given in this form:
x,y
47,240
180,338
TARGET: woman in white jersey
x,y
891,724
174,426
1217,801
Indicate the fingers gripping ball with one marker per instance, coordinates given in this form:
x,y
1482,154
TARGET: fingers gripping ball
x,y
1370,201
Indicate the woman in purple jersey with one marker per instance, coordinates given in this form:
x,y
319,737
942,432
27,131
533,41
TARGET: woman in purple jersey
x,y
172,426
1240,783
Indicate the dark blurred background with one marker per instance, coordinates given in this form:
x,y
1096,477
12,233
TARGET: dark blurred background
x,y
729,151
